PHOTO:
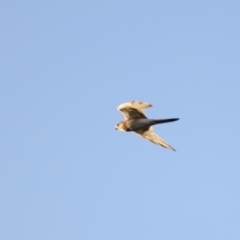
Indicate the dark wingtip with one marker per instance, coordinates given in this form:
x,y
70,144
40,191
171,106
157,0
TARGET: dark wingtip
x,y
171,148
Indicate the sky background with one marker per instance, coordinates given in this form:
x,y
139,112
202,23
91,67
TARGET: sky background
x,y
65,173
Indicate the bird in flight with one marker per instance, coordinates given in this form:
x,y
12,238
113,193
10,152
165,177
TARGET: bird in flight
x,y
137,122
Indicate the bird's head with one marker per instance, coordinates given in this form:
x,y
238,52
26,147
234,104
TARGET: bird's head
x,y
120,127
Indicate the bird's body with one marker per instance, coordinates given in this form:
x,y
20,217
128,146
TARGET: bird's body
x,y
136,121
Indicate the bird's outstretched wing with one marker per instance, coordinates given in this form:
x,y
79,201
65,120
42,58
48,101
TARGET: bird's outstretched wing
x,y
153,137
133,109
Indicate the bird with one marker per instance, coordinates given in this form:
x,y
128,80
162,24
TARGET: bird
x,y
137,122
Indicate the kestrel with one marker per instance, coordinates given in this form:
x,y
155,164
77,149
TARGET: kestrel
x,y
137,122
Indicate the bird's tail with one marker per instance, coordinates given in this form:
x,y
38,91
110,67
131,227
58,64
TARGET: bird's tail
x,y
159,121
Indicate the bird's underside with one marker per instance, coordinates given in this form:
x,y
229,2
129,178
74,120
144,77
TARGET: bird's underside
x,y
137,122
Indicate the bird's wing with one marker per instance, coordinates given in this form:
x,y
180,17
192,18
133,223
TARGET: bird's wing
x,y
133,109
153,137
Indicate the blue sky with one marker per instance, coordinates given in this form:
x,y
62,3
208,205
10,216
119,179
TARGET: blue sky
x,y
65,173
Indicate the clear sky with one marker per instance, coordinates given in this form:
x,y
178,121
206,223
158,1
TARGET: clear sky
x,y
65,173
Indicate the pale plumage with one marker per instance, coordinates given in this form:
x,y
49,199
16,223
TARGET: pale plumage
x,y
136,121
